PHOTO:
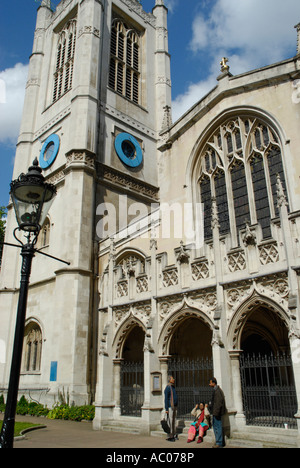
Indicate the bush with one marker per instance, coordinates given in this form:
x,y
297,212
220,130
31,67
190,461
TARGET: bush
x,y
36,409
22,406
66,412
2,404
72,413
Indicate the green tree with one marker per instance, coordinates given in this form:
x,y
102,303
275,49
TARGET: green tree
x,y
3,213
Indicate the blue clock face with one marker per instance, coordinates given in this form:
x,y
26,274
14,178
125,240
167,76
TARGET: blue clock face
x,y
129,150
49,151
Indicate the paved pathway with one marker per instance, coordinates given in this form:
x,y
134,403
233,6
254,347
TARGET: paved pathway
x,y
70,434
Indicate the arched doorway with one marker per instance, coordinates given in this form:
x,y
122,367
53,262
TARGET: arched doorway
x,y
132,373
191,363
268,388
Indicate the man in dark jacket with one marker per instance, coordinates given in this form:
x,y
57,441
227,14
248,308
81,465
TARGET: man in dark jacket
x,y
217,410
171,403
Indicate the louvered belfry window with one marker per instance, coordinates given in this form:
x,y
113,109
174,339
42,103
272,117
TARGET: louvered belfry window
x,y
124,75
63,75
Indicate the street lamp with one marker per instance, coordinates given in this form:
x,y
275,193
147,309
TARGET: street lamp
x,y
32,198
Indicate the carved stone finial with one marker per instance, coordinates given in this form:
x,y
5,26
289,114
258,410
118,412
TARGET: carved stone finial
x,y
167,120
183,256
249,238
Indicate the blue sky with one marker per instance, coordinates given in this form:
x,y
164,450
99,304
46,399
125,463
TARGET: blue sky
x,y
251,33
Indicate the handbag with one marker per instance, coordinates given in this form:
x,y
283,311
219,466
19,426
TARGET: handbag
x,y
164,424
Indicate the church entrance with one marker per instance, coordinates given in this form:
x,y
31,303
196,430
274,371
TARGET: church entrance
x,y
191,364
268,388
132,374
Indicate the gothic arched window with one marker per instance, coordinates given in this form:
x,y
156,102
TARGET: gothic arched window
x,y
44,235
239,164
32,348
63,75
124,74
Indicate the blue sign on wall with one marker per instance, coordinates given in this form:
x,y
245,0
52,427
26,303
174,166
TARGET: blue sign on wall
x,y
53,371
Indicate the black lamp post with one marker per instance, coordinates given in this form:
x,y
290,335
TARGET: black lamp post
x,y
32,198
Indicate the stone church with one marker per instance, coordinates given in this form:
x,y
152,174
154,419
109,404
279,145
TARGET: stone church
x,y
183,238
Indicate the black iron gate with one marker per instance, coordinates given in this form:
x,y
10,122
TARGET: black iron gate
x,y
268,389
191,380
132,388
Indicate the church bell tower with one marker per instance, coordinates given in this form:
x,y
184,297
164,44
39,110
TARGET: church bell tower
x,y
96,96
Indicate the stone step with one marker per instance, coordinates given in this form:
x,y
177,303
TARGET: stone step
x,y
250,437
263,437
123,430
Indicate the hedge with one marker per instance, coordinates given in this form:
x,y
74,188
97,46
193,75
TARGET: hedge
x,y
66,412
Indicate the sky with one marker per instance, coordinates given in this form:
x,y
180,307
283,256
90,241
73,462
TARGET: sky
x,y
251,33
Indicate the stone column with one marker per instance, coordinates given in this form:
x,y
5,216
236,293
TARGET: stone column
x,y
240,419
164,370
117,386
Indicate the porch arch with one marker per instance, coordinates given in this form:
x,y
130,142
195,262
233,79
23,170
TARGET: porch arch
x,y
243,313
179,316
262,368
128,385
186,348
123,333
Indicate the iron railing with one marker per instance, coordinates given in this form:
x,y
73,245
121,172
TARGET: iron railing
x,y
132,388
191,382
268,389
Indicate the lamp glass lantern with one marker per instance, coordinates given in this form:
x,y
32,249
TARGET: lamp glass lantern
x,y
32,198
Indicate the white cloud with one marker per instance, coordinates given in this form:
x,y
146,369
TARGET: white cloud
x,y
194,93
11,105
251,33
171,5
265,27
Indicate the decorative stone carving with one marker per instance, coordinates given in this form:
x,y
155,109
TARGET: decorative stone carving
x,y
249,237
140,310
206,302
170,277
274,287
88,30
268,253
236,261
81,157
200,270
182,255
110,175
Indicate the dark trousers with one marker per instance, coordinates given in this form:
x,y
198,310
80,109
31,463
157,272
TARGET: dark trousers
x,y
218,430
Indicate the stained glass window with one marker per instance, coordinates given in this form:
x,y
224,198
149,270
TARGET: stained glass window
x,y
239,166
240,195
206,201
222,204
261,194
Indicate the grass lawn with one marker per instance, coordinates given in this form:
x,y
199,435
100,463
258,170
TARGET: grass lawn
x,y
20,426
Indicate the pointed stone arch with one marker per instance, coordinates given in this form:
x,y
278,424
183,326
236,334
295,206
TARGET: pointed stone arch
x,y
182,312
244,311
122,334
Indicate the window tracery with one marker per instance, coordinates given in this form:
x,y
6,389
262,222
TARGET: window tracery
x,y
239,164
